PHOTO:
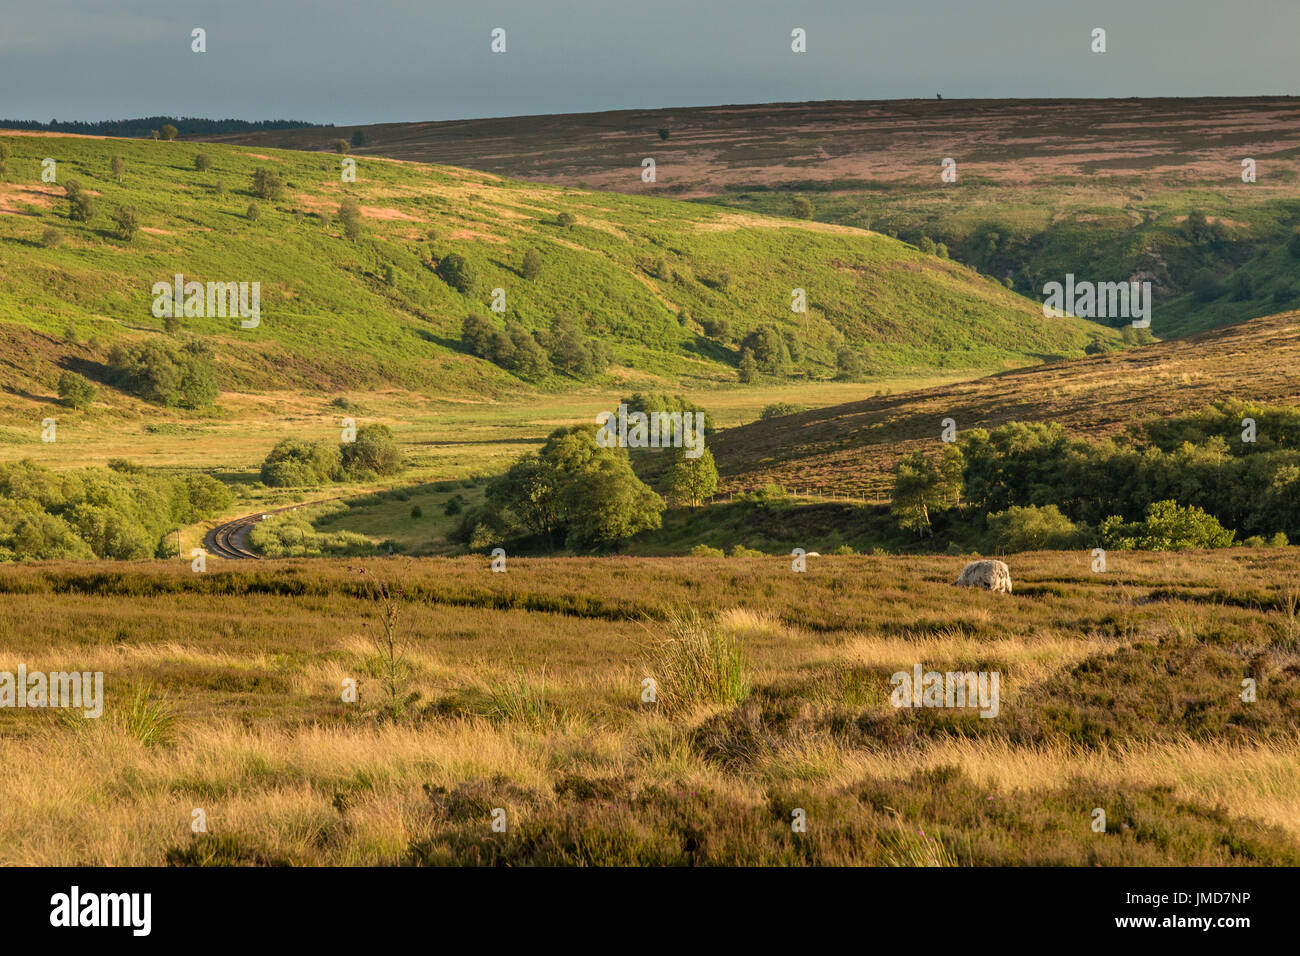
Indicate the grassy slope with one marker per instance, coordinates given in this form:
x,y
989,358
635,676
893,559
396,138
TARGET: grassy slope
x,y
329,321
850,449
1099,188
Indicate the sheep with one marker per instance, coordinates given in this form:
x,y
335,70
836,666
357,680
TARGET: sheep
x,y
993,575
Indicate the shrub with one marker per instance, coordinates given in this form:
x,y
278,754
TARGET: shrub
x,y
294,463
1033,528
566,220
707,551
76,391
202,162
81,204
1168,527
267,184
768,347
349,217
848,366
125,224
160,372
341,146
456,271
51,237
803,208
777,409
417,512
532,264
374,452
747,369
717,329
253,212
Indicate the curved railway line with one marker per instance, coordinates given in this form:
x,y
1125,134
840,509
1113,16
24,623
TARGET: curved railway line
x,y
225,539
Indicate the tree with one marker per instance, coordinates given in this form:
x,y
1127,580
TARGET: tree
x,y
532,265
253,212
803,207
294,462
848,366
76,391
125,224
717,329
529,358
81,205
530,491
267,184
607,504
1031,528
476,334
456,271
358,138
349,216
341,146
119,168
664,134
157,371
567,220
202,162
374,452
1168,527
748,368
769,349
920,486
169,132
691,481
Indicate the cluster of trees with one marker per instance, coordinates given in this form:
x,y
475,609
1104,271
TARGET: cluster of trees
x,y
573,492
121,512
562,348
297,463
146,126
1190,479
164,373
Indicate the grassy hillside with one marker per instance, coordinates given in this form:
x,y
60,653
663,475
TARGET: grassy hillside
x,y
1100,188
850,449
641,274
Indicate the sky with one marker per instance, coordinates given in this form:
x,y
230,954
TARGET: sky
x,y
371,61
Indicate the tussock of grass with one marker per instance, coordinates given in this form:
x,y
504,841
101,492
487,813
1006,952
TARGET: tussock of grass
x,y
696,663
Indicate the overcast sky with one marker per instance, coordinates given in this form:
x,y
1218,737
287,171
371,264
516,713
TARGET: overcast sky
x,y
373,61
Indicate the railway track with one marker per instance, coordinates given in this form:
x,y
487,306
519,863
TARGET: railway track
x,y
225,539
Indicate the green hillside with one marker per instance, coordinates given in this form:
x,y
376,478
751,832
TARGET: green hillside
x,y
644,275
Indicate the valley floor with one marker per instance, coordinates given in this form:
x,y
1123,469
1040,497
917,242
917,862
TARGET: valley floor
x,y
522,692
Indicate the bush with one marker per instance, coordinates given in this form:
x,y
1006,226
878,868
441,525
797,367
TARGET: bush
x,y
848,366
202,162
777,409
717,329
349,217
707,551
125,224
253,212
341,146
51,237
803,208
747,369
417,512
456,271
294,463
81,205
1033,528
267,184
768,347
566,220
76,391
1168,527
374,452
532,264
160,372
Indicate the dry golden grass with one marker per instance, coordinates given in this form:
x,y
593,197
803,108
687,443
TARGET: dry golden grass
x,y
536,709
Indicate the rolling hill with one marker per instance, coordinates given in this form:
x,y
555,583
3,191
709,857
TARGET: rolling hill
x,y
1100,188
850,449
643,274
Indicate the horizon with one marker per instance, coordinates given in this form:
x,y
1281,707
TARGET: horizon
x,y
394,61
